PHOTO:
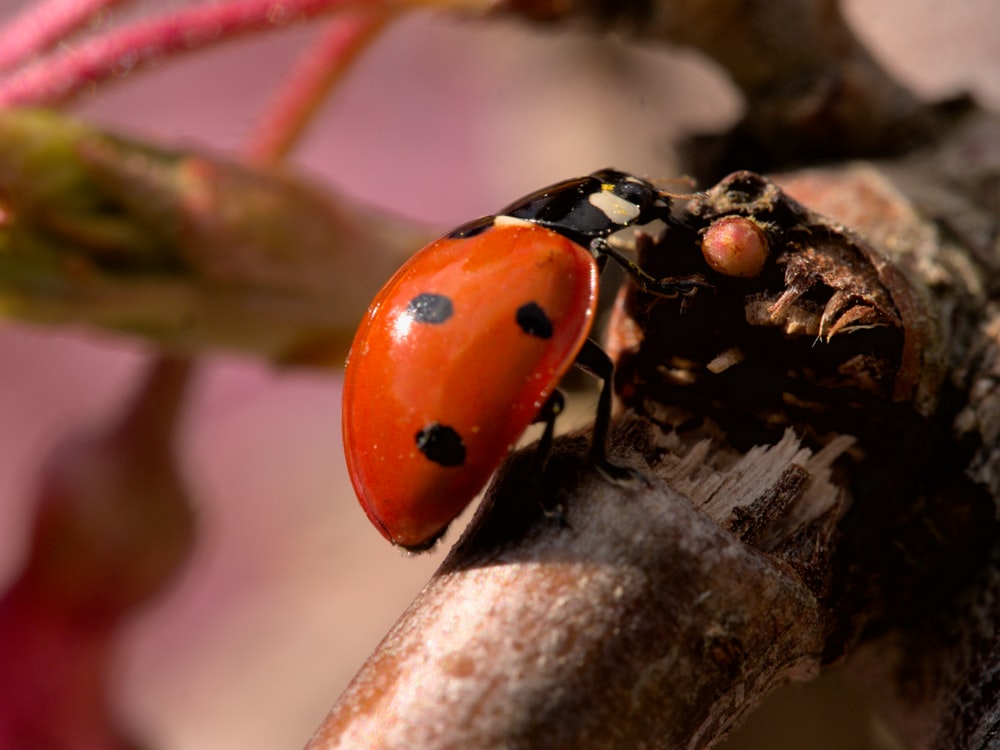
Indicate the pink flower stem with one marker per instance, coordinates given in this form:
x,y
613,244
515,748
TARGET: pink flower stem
x,y
118,52
304,90
44,24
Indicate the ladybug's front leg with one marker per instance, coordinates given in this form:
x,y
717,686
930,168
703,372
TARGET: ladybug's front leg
x,y
594,360
679,286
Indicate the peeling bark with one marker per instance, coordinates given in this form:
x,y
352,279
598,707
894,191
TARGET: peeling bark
x,y
779,534
631,617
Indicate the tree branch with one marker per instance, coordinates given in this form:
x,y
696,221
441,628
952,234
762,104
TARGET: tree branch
x,y
811,88
658,616
633,618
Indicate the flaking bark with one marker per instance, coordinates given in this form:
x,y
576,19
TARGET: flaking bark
x,y
658,616
629,616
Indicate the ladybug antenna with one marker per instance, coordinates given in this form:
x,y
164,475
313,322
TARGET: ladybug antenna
x,y
685,181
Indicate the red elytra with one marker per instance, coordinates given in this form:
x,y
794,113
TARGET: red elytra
x,y
453,361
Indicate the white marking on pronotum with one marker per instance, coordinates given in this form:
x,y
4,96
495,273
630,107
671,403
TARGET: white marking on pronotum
x,y
617,209
511,221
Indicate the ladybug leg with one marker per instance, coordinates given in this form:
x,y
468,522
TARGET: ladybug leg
x,y
595,361
553,408
682,286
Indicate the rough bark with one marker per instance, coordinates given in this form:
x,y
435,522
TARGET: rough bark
x,y
627,617
850,511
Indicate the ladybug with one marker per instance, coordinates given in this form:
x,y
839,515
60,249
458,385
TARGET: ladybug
x,y
463,348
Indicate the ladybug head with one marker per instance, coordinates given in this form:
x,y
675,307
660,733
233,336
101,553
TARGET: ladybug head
x,y
628,196
592,207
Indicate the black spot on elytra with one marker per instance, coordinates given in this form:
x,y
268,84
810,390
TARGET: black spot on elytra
x,y
430,308
533,320
441,444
